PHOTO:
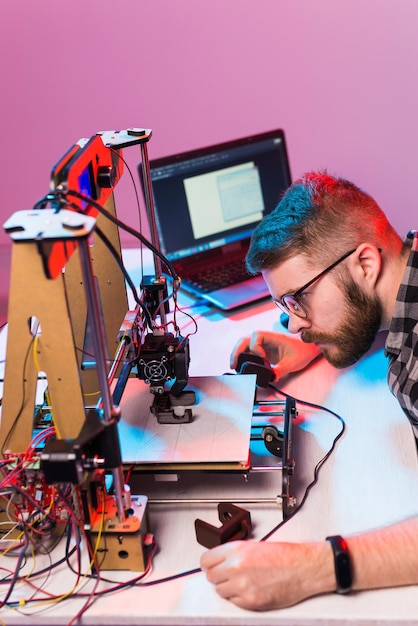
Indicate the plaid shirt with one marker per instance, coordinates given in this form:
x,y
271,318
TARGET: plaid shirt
x,y
402,340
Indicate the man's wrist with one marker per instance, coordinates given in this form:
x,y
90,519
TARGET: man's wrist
x,y
319,577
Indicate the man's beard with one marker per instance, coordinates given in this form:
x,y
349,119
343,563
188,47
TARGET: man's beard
x,y
357,332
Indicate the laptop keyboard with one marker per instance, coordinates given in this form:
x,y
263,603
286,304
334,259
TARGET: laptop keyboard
x,y
219,277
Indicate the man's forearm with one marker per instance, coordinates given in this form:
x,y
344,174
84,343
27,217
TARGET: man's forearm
x,y
272,575
387,557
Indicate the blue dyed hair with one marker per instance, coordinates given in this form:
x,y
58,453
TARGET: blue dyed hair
x,y
319,216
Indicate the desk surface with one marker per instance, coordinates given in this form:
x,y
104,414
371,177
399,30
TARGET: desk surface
x,y
370,480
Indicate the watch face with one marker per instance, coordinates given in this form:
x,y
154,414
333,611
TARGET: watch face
x,y
343,566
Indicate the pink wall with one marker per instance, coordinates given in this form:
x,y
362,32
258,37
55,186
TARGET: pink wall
x,y
340,76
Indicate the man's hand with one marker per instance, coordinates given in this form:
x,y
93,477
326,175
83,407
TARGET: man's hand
x,y
286,354
269,575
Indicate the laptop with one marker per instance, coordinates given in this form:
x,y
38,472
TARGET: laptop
x,y
207,203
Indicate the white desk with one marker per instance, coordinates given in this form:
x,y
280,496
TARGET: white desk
x,y
370,480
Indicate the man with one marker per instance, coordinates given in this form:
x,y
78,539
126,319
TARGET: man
x,y
340,271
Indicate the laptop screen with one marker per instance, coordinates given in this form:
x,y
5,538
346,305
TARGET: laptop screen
x,y
214,196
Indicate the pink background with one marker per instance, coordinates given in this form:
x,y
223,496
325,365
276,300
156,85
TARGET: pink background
x,y
340,76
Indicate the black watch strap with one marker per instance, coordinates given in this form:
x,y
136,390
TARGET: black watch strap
x,y
342,563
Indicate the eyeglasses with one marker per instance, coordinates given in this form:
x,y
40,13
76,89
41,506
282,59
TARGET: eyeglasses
x,y
292,303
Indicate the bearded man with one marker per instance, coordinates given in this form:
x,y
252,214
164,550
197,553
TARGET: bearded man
x,y
338,269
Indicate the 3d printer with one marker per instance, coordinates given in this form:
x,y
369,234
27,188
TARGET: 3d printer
x,y
68,312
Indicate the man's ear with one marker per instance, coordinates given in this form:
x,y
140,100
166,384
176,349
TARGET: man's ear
x,y
367,264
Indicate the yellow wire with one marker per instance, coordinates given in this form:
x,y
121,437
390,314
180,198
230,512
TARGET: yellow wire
x,y
17,540
102,517
21,534
77,584
96,393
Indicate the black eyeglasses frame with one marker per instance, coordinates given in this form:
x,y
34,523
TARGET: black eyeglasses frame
x,y
296,294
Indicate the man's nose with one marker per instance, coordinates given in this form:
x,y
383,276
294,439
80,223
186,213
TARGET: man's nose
x,y
296,324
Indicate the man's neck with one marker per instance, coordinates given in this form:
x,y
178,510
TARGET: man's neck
x,y
392,279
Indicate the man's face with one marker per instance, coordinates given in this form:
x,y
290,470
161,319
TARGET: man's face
x,y
342,320
355,334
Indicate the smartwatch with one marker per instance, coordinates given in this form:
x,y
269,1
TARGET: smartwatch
x,y
342,563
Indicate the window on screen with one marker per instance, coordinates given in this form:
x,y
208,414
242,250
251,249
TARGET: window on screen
x,y
224,199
